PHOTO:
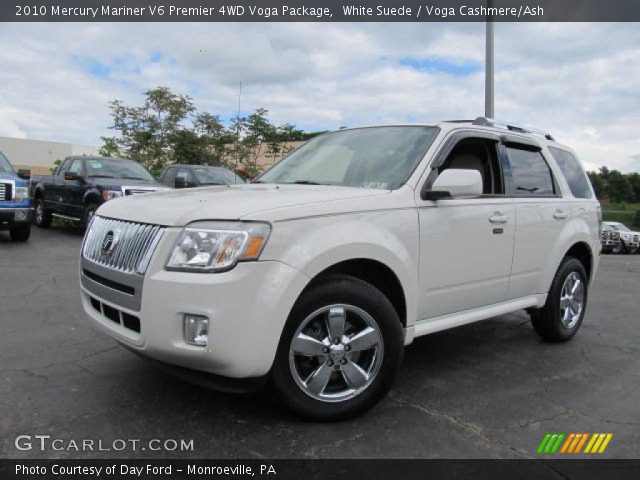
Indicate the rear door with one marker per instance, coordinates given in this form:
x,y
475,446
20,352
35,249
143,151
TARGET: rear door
x,y
54,193
541,214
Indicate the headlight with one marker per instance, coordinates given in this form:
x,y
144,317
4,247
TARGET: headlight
x,y
210,247
626,236
111,194
21,193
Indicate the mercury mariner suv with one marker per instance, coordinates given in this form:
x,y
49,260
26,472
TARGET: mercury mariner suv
x,y
315,276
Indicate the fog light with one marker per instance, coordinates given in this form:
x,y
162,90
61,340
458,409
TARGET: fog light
x,y
196,330
21,215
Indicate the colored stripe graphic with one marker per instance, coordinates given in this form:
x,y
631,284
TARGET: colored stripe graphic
x,y
551,442
573,443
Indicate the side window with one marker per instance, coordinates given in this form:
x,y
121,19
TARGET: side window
x,y
76,167
530,172
184,174
169,177
64,167
478,154
573,173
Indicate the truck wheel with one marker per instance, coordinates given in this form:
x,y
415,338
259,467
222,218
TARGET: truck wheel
x,y
616,250
42,216
339,351
562,315
89,212
21,233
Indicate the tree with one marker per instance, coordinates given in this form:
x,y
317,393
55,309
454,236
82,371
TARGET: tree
x,y
146,132
167,128
598,184
109,147
634,180
618,187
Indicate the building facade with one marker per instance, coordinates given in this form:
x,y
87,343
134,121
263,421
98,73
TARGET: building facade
x,y
40,155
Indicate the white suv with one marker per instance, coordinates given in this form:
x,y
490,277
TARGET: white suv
x,y
318,274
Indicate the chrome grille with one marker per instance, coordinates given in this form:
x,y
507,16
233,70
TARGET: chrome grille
x,y
606,235
123,246
5,191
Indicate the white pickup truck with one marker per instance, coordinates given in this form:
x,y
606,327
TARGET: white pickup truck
x,y
318,274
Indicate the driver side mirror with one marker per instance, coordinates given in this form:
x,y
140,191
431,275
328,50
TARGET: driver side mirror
x,y
179,182
72,176
454,183
24,173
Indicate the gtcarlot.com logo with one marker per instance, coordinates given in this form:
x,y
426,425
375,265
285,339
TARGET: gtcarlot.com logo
x,y
574,443
47,442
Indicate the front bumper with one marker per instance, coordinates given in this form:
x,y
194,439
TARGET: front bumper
x,y
246,306
10,217
630,243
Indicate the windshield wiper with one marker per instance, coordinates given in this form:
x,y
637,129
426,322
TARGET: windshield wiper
x,y
530,190
101,176
305,182
133,178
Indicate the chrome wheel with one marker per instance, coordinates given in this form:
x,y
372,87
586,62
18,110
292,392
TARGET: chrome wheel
x,y
39,212
571,300
336,353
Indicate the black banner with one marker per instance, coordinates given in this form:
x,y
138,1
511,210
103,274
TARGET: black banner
x,y
319,469
320,11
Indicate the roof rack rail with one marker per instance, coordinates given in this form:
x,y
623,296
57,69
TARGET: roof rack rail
x,y
491,122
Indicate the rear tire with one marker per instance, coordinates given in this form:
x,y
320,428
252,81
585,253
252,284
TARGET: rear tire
x,y
21,233
353,345
42,216
562,314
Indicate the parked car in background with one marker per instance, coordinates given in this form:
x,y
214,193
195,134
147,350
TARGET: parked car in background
x,y
14,201
189,176
315,276
82,183
610,239
630,240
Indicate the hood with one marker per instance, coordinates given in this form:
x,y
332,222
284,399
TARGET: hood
x,y
117,183
228,202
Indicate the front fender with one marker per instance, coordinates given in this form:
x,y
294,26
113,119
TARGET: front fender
x,y
312,245
92,195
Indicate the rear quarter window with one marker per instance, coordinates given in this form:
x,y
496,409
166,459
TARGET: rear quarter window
x,y
573,172
531,174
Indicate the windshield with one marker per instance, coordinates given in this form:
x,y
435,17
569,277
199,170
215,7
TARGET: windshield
x,y
376,157
216,176
5,166
620,227
117,168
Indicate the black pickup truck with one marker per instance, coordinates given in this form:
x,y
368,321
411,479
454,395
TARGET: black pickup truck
x,y
82,184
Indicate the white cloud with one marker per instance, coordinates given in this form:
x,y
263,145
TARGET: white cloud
x,y
580,81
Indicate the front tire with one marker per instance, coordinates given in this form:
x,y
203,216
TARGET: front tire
x,y
87,216
42,216
21,233
339,351
562,315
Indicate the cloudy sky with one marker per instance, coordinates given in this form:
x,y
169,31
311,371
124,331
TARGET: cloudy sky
x,y
579,81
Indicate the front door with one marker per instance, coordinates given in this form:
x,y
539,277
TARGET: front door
x,y
466,244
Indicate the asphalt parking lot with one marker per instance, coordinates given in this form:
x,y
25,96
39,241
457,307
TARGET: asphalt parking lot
x,y
488,390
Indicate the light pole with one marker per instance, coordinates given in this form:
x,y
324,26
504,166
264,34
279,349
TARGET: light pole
x,y
488,67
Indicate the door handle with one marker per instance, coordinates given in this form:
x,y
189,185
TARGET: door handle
x,y
560,215
498,218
